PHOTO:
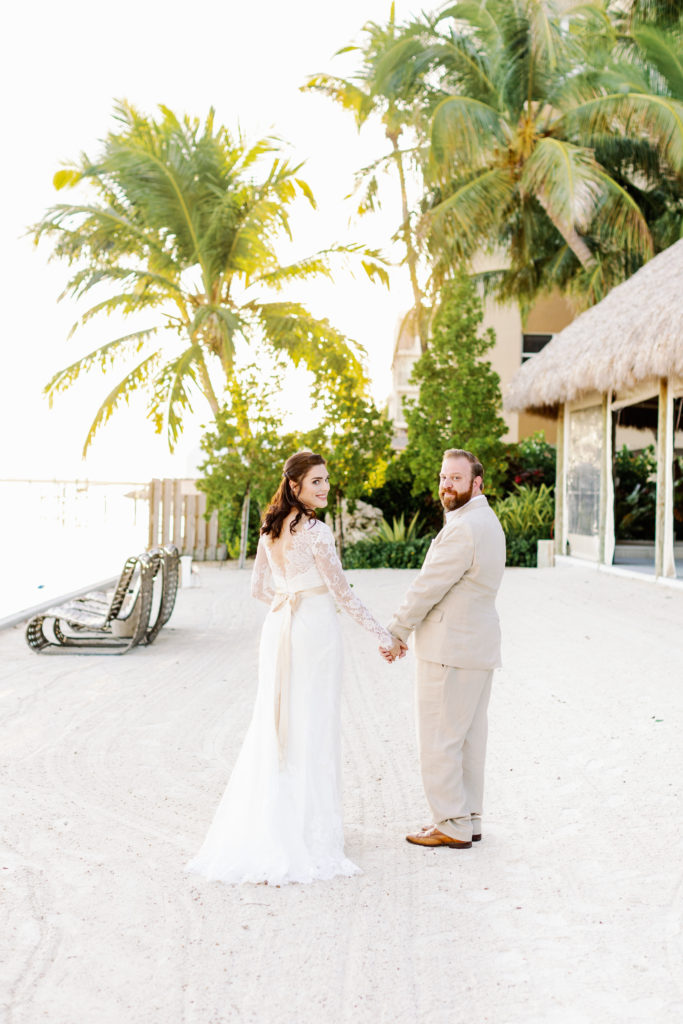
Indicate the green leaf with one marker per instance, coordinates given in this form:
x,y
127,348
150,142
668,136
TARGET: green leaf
x,y
465,130
66,178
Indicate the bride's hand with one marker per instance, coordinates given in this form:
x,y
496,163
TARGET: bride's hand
x,y
397,650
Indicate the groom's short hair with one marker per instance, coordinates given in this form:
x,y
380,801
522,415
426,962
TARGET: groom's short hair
x,y
460,453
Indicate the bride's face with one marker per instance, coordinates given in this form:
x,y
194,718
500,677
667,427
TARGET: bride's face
x,y
313,489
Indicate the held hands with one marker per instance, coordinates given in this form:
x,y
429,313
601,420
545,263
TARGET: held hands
x,y
397,650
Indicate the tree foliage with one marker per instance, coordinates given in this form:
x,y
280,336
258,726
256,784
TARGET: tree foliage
x,y
179,228
548,134
245,451
385,87
249,446
459,394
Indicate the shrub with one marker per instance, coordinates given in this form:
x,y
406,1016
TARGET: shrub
x,y
379,554
395,497
398,531
634,494
521,551
527,516
530,461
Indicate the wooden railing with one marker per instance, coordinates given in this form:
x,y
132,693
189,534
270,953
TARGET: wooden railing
x,y
176,516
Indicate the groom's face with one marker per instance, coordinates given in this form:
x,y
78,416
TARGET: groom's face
x,y
456,483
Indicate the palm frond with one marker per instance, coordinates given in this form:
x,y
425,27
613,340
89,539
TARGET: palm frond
x,y
88,277
464,130
105,357
663,50
471,214
567,180
620,223
103,230
134,380
172,393
348,95
124,302
659,118
291,329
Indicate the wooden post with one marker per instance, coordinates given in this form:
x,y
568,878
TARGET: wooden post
x,y
212,544
154,500
190,523
664,523
166,509
200,542
178,514
607,486
560,481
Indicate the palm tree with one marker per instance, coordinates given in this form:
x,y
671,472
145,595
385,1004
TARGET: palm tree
x,y
649,72
181,230
385,86
519,97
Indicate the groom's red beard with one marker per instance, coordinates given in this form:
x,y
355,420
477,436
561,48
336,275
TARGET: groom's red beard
x,y
455,499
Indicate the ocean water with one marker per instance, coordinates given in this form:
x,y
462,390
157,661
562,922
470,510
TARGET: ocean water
x,y
57,536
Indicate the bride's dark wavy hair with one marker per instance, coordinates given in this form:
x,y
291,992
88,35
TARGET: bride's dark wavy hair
x,y
284,500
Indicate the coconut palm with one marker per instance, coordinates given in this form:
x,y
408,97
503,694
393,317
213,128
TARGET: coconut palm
x,y
519,97
182,231
649,72
386,85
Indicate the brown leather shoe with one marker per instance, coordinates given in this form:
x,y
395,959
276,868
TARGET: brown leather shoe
x,y
432,837
475,839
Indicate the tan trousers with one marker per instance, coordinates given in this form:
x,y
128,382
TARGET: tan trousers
x,y
452,728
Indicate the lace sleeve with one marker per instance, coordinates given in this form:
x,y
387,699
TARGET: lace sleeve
x,y
330,569
262,577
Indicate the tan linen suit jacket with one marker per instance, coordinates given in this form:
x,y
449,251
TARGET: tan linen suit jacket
x,y
451,605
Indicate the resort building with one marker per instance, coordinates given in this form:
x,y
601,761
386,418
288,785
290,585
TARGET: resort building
x,y
615,376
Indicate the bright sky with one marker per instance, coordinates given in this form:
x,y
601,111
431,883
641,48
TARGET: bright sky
x,y
62,67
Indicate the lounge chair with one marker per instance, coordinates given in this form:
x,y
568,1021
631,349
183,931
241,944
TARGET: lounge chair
x,y
113,623
168,563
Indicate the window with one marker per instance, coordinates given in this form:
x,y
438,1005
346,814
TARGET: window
x,y
533,343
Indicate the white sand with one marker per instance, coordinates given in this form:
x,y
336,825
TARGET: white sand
x,y
568,912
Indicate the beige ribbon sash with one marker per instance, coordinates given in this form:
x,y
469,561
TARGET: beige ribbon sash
x,y
290,602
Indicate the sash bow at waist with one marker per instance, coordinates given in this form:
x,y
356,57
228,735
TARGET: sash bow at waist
x,y
289,601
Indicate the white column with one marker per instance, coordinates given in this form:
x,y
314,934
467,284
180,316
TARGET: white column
x,y
564,510
664,524
607,488
559,483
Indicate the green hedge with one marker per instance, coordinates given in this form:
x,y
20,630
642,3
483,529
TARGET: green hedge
x,y
526,516
379,554
521,551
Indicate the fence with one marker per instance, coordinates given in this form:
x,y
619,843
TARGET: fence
x,y
177,516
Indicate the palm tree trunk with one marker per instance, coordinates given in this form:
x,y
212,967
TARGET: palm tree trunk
x,y
244,528
411,253
207,386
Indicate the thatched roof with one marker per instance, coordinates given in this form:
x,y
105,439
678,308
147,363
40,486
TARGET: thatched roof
x,y
633,335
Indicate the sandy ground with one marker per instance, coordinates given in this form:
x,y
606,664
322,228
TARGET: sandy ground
x,y
569,911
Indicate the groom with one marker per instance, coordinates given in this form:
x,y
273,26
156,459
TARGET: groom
x,y
451,608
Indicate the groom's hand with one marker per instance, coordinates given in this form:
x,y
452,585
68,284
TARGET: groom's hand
x,y
397,650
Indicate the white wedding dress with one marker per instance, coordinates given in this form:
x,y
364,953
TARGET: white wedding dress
x,y
280,817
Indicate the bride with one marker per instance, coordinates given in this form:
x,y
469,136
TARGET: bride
x,y
280,817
